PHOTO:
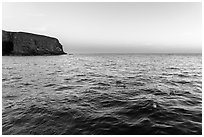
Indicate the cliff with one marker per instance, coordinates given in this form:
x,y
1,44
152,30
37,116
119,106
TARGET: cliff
x,y
22,43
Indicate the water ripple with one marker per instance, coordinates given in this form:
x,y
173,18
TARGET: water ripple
x,y
102,94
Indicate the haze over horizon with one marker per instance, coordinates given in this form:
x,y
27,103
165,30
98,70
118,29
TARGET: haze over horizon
x,y
111,27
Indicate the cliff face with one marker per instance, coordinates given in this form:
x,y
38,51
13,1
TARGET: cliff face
x,y
21,43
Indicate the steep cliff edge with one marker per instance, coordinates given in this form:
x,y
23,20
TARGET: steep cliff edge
x,y
22,43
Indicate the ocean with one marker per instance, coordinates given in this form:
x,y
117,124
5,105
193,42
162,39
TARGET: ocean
x,y
102,94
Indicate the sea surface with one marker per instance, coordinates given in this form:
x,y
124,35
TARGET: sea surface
x,y
94,94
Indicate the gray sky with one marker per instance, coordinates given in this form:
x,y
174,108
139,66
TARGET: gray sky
x,y
111,27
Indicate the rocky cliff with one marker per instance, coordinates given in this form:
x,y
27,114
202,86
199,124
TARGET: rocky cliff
x,y
22,43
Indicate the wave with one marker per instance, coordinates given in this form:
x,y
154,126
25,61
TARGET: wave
x,y
102,95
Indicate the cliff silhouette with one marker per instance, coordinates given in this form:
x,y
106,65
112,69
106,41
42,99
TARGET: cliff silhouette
x,y
28,44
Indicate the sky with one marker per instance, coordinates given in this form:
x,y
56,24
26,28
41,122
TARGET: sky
x,y
112,27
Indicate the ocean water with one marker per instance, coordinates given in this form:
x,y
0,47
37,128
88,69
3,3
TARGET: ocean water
x,y
111,94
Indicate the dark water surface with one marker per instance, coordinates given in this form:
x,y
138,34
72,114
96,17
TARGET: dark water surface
x,y
102,94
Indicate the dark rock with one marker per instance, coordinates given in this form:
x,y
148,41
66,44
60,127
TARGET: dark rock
x,y
22,43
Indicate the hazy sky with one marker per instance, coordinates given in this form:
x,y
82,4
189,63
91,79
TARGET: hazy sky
x,y
111,27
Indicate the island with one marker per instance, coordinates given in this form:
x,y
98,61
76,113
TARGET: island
x,y
29,44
